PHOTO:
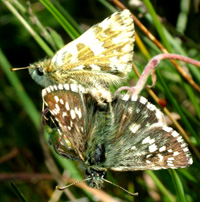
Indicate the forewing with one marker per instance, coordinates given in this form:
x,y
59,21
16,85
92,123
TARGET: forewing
x,y
67,104
140,139
107,46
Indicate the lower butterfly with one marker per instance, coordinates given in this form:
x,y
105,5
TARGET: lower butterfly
x,y
127,134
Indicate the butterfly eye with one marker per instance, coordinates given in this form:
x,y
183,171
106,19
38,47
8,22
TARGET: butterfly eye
x,y
39,71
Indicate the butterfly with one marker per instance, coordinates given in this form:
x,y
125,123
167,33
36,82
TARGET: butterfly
x,y
101,56
127,134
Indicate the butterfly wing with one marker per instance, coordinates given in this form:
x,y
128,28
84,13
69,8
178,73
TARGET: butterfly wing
x,y
67,104
139,139
107,47
61,143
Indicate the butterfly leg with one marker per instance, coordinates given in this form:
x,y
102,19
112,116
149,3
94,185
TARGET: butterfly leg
x,y
43,118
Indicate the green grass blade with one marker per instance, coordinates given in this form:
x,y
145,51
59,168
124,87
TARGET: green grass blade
x,y
193,98
31,110
60,18
178,185
25,100
178,108
183,15
108,5
67,16
38,39
157,24
18,193
160,186
188,176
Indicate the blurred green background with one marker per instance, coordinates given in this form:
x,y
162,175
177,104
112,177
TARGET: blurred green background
x,y
22,160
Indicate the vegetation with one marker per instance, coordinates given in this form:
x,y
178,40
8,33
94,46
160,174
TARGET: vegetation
x,y
33,30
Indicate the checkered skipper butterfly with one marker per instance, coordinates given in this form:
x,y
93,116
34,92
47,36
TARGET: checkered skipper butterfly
x,y
103,55
127,135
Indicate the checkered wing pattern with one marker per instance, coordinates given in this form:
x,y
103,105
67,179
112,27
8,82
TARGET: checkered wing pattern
x,y
140,139
125,135
67,104
106,47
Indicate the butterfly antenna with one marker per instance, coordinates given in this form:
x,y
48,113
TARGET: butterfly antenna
x,y
19,68
72,184
132,194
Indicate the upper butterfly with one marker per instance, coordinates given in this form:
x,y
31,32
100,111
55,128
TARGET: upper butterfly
x,y
103,55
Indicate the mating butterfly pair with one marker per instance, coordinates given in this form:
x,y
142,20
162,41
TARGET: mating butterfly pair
x,y
126,134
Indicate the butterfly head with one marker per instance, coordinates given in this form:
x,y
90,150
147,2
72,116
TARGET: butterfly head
x,y
96,177
39,72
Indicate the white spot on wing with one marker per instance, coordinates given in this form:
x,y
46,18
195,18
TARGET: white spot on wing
x,y
149,155
143,100
95,67
56,98
170,164
48,89
152,141
51,88
98,48
67,106
74,87
44,92
73,115
113,59
61,101
60,86
180,139
57,107
138,111
80,67
78,112
81,129
163,148
117,39
183,145
159,115
55,87
146,140
134,98
134,127
66,86
133,147
151,106
160,157
175,134
152,148
176,153
126,97
167,129
64,114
